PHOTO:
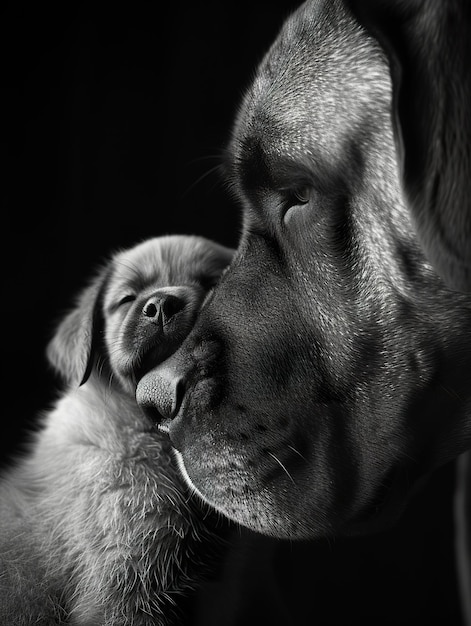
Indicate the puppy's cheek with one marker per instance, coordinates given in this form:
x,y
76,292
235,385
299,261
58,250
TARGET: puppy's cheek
x,y
118,355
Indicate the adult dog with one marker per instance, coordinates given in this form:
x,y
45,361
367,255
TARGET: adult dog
x,y
329,370
97,526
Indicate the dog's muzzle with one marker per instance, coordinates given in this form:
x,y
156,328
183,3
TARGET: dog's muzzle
x,y
160,393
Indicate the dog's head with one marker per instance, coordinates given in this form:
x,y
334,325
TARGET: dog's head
x,y
138,309
330,367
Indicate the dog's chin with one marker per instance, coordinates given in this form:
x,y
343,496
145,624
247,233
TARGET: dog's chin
x,y
257,513
277,509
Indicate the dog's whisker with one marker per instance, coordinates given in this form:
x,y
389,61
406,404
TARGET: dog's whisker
x,y
282,467
297,452
217,156
203,176
451,392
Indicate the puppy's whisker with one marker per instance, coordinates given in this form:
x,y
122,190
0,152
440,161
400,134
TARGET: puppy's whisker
x,y
110,382
100,366
282,467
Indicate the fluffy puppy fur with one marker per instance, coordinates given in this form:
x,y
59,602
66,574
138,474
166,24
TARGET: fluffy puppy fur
x,y
97,526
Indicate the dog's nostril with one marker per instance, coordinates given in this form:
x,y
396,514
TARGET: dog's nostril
x,y
150,310
178,398
153,414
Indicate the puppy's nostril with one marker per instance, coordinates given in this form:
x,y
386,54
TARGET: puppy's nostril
x,y
171,306
150,310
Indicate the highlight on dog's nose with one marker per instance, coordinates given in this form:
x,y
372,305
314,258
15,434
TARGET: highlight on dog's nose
x,y
160,393
161,307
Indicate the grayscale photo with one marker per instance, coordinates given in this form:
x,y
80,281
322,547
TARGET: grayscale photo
x,y
237,314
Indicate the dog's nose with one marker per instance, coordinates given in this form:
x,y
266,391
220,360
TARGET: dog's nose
x,y
167,391
162,390
160,393
161,307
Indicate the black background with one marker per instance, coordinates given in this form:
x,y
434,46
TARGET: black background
x,y
113,122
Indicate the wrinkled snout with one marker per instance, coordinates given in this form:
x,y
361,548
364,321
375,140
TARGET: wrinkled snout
x,y
179,393
161,391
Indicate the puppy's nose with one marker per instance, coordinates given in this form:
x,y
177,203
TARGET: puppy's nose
x,y
161,307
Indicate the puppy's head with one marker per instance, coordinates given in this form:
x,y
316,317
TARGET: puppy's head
x,y
137,310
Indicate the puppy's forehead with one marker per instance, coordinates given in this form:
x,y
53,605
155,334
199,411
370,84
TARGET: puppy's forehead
x,y
317,83
167,259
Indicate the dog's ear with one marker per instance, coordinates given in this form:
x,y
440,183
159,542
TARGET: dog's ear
x,y
429,49
75,344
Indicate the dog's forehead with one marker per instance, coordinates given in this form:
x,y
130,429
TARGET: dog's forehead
x,y
314,87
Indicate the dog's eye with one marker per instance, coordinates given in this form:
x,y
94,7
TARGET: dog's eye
x,y
301,195
126,299
297,199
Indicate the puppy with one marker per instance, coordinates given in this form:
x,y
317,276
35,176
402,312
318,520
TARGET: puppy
x,y
97,526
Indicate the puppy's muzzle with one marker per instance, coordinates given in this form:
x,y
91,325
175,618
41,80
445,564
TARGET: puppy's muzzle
x,y
160,323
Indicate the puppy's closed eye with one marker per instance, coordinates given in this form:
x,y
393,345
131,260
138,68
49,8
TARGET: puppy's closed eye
x,y
126,299
207,281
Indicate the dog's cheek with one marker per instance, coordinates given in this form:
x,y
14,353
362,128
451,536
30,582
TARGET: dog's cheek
x,y
245,407
251,448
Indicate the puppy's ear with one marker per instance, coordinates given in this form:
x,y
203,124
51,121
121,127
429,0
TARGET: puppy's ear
x,y
428,45
73,349
223,257
217,262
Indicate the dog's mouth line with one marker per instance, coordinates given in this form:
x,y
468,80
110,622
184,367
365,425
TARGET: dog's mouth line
x,y
150,357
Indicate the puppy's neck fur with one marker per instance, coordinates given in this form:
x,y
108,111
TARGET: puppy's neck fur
x,y
109,473
100,415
